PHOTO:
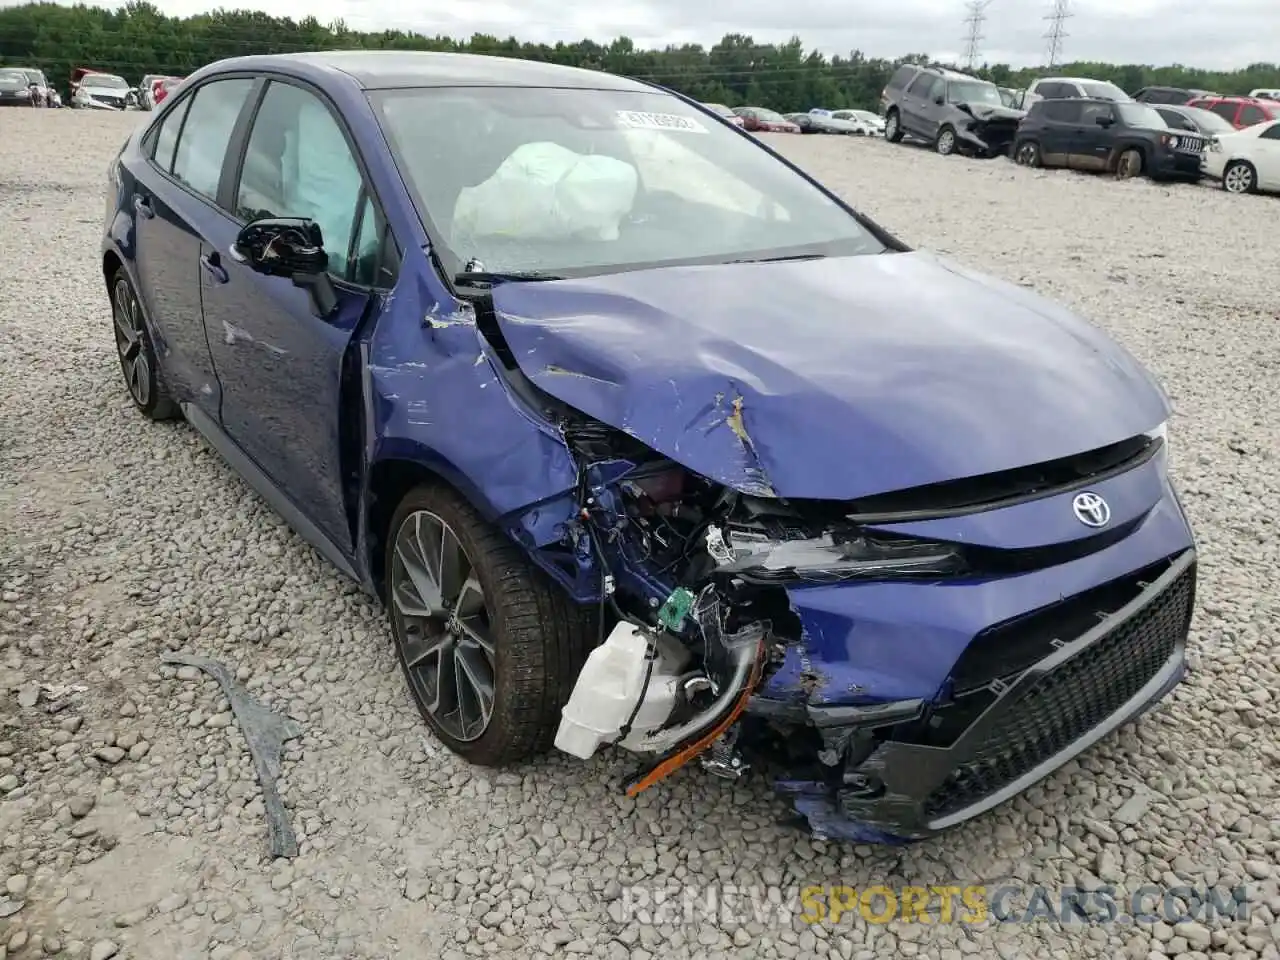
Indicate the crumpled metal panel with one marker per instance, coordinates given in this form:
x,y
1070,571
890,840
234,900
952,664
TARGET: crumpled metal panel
x,y
830,379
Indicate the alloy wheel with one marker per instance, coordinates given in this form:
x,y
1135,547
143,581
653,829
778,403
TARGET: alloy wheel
x,y
891,126
445,635
131,342
1130,164
1026,155
1239,179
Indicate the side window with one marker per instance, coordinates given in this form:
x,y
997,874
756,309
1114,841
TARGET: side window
x,y
166,138
1062,111
936,88
1271,133
213,112
920,84
1049,91
902,77
1177,121
1226,110
1090,112
1249,115
297,164
374,258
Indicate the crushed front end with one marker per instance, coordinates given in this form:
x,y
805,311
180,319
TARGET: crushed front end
x,y
907,661
988,131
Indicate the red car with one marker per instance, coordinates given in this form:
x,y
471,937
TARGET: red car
x,y
758,119
720,110
160,89
1240,112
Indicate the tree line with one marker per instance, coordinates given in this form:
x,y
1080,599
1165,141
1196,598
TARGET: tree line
x,y
138,39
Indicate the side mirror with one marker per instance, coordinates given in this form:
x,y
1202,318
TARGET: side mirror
x,y
1103,121
939,99
291,247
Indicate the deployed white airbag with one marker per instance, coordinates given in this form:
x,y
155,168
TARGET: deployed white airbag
x,y
544,191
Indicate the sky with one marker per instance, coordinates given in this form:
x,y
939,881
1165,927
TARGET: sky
x,y
1214,34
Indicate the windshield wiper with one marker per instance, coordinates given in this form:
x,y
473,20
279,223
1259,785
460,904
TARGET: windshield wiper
x,y
499,276
790,256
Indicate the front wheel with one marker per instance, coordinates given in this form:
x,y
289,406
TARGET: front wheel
x,y
1240,177
892,128
1129,165
489,647
946,142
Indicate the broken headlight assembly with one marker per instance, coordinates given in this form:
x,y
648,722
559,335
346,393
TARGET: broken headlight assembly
x,y
756,555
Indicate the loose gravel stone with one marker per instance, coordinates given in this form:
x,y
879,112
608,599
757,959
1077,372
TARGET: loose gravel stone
x,y
123,539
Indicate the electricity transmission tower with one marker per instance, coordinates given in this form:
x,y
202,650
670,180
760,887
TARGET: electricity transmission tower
x,y
1057,31
975,17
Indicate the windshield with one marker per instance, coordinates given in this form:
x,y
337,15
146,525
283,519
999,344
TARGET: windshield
x,y
973,91
865,115
1141,115
13,77
1208,121
574,182
763,114
1102,90
104,80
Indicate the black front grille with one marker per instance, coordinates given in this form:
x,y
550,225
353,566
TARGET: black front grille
x,y
1070,700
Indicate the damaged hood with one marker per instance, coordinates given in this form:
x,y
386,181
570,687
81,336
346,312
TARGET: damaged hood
x,y
829,379
987,112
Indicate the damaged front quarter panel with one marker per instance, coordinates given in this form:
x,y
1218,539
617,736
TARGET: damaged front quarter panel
x,y
992,129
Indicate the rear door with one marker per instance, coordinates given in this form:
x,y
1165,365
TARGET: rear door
x,y
173,202
1251,113
282,367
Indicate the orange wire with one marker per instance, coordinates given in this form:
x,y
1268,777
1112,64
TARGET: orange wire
x,y
678,760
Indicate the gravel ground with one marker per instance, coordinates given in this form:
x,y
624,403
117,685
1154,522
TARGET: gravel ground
x,y
131,822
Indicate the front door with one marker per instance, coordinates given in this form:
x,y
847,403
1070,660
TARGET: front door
x,y
913,104
282,367
1093,136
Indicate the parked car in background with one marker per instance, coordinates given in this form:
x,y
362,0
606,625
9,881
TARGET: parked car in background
x,y
873,123
760,119
1193,119
94,90
1265,93
1127,139
1245,161
165,87
953,111
450,383
17,90
148,89
1171,95
1240,112
826,123
1066,88
720,110
1011,97
41,90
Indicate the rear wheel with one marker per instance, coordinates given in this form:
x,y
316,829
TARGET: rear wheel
x,y
1240,177
490,648
1129,165
1026,153
137,355
892,129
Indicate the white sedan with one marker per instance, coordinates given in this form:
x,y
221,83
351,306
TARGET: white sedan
x,y
1245,161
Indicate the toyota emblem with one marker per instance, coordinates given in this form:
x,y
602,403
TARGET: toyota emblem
x,y
1090,509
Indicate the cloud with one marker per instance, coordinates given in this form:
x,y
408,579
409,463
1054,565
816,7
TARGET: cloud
x,y
1224,34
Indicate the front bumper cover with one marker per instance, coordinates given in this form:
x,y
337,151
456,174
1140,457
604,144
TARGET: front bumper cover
x,y
1034,724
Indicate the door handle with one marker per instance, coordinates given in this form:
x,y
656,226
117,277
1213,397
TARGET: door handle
x,y
143,206
212,264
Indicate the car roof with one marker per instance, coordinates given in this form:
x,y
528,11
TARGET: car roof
x,y
391,69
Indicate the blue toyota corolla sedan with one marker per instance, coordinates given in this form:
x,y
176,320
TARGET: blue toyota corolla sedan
x,y
644,438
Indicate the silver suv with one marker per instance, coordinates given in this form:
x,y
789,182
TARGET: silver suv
x,y
953,111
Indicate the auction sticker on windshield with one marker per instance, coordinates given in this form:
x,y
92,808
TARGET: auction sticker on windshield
x,y
639,120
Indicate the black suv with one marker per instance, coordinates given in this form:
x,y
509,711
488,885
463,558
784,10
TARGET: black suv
x,y
953,111
1177,96
1127,139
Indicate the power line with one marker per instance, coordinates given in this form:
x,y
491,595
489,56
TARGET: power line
x,y
1057,31
975,18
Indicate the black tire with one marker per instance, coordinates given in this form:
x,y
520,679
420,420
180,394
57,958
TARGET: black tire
x,y
540,638
1130,163
945,144
1239,176
1026,153
892,127
137,355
